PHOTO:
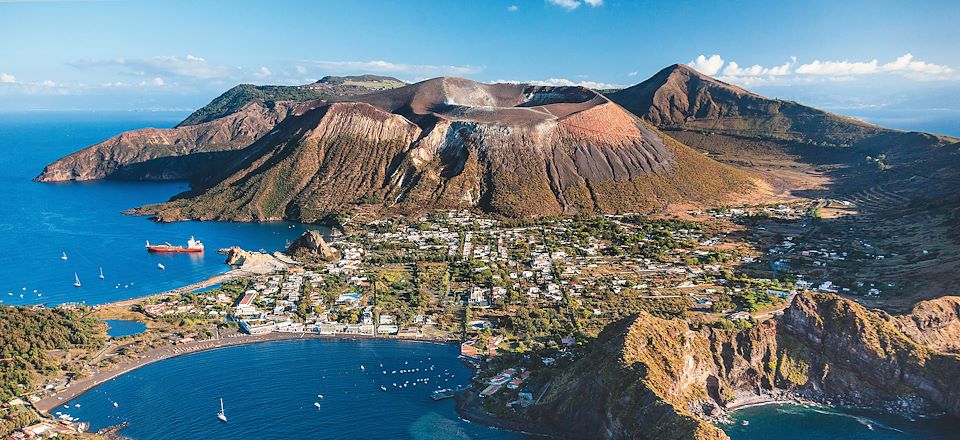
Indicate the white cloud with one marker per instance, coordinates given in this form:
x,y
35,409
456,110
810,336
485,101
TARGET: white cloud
x,y
186,67
566,4
557,82
906,63
708,66
6,78
734,69
574,4
819,70
634,73
262,72
380,66
158,81
512,8
845,67
300,70
48,83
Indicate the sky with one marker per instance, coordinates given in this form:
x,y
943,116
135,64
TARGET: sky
x,y
142,55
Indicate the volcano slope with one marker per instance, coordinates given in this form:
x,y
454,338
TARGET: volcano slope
x,y
902,187
208,138
510,149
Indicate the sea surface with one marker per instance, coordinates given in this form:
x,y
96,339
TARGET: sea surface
x,y
269,391
794,422
40,221
117,328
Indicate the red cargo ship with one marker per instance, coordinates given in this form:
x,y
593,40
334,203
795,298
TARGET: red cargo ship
x,y
193,245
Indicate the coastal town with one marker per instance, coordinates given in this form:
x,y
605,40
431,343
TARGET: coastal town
x,y
519,299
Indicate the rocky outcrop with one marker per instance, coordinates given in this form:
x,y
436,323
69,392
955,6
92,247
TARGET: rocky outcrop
x,y
311,247
209,139
510,149
934,323
652,378
178,153
253,262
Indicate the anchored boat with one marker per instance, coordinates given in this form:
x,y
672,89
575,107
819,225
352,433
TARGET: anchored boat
x,y
193,245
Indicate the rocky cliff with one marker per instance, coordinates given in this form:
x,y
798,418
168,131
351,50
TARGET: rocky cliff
x,y
184,152
210,138
652,378
510,149
935,323
311,247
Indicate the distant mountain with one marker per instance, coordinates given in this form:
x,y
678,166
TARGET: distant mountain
x,y
679,97
207,138
510,149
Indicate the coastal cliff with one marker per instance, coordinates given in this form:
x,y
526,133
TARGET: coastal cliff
x,y
184,152
647,377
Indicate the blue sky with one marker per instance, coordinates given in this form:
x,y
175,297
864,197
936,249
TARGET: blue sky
x,y
180,54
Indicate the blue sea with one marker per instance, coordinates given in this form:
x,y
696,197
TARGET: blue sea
x,y
269,391
41,221
793,422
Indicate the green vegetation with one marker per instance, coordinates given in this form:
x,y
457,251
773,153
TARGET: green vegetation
x,y
26,334
234,99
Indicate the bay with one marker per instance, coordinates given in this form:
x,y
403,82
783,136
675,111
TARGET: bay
x,y
41,221
269,390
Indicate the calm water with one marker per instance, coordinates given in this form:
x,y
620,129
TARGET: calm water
x,y
269,391
40,221
792,422
124,327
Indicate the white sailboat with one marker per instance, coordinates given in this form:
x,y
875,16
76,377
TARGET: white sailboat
x,y
64,256
76,282
221,415
101,273
161,266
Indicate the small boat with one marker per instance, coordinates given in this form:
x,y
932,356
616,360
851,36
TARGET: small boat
x,y
316,404
221,415
441,394
383,388
161,266
320,396
101,273
116,405
745,423
193,245
64,256
76,278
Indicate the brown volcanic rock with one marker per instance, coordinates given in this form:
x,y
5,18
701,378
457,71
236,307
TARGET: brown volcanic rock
x,y
206,140
325,158
167,154
679,97
935,323
511,149
311,247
